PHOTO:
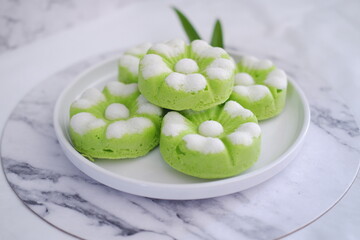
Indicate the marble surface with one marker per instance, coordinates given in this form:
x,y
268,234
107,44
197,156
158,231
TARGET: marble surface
x,y
22,21
298,34
55,190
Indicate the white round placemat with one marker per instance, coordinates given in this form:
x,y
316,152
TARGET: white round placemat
x,y
46,181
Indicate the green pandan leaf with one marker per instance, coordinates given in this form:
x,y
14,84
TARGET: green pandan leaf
x,y
188,27
217,36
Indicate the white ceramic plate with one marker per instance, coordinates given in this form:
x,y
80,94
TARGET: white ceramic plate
x,y
150,176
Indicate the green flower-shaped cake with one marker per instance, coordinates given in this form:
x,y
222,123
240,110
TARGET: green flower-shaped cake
x,y
178,76
129,63
260,87
219,142
115,123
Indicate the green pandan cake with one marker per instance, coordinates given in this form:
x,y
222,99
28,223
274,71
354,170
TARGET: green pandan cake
x,y
178,76
216,143
129,63
260,87
115,123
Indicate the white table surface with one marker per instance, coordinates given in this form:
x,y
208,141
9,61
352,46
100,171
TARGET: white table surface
x,y
33,50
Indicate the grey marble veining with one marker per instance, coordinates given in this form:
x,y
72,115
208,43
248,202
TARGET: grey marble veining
x,y
54,189
22,21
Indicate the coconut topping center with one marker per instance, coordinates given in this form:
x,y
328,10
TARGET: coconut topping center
x,y
211,128
186,66
116,111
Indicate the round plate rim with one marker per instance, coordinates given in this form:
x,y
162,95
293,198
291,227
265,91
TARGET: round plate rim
x,y
68,149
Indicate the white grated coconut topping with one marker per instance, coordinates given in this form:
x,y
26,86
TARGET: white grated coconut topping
x,y
145,107
244,79
116,111
211,128
89,98
253,93
84,122
131,126
188,83
139,50
170,49
130,62
234,109
277,78
255,63
203,49
245,134
173,124
153,65
121,89
186,66
206,145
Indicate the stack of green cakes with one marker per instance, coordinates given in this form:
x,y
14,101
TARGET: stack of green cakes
x,y
200,105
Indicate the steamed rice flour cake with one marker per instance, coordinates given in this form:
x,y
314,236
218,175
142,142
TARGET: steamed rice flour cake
x,y
115,123
216,143
260,87
178,76
129,63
